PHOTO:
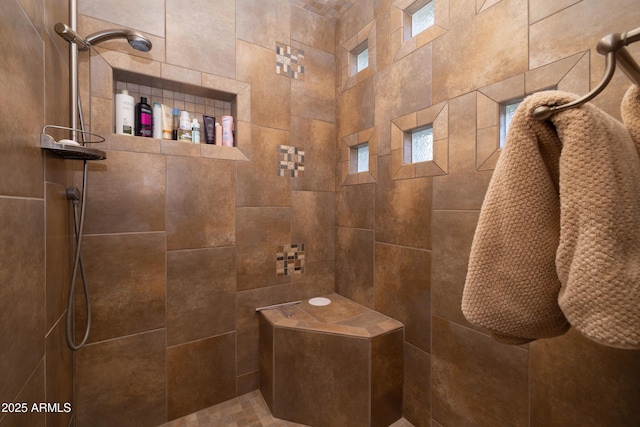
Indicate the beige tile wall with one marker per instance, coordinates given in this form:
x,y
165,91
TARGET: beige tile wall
x,y
412,236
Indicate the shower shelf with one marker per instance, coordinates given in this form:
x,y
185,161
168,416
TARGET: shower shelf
x,y
71,150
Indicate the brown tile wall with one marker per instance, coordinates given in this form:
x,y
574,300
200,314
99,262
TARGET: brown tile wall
x,y
152,215
35,221
412,237
181,248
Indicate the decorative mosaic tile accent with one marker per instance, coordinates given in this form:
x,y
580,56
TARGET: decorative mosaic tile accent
x,y
290,259
289,61
290,161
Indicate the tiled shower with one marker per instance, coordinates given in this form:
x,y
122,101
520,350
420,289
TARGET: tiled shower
x,y
183,243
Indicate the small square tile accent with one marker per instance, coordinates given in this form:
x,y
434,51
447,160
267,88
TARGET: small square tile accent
x,y
290,259
289,61
290,161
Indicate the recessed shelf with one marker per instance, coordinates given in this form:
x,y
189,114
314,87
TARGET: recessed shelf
x,y
197,101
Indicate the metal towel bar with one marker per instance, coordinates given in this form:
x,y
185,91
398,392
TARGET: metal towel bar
x,y
613,47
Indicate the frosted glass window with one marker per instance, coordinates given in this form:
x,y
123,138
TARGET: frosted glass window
x,y
363,157
423,18
507,110
422,145
362,59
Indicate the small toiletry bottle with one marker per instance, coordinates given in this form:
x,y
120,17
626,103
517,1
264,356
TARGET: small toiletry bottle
x,y
209,129
167,121
195,131
143,118
218,140
157,120
125,113
227,131
176,125
184,132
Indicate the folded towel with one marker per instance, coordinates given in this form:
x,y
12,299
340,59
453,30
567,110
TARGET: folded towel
x,y
558,239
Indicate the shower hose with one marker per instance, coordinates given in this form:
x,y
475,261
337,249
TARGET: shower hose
x,y
78,222
78,225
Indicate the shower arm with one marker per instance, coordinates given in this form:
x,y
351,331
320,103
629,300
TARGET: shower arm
x,y
104,35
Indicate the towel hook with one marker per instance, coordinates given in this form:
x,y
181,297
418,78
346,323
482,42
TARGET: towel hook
x,y
613,47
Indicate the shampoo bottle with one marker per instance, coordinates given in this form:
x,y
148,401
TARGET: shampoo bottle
x,y
195,131
124,113
143,118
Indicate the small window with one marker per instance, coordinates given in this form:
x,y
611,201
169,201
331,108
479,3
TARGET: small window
x,y
419,16
359,158
419,145
363,60
507,110
360,57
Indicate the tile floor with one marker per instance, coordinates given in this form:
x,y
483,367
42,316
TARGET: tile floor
x,y
248,410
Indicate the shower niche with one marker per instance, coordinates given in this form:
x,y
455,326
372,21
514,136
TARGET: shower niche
x,y
200,94
197,100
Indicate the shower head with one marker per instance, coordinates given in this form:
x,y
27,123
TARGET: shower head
x,y
139,42
135,39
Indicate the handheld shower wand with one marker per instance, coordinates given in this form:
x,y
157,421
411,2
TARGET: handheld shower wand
x,y
135,39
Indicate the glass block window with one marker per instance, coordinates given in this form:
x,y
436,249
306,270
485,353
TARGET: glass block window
x,y
359,158
422,145
363,157
507,110
423,18
362,60
418,145
359,58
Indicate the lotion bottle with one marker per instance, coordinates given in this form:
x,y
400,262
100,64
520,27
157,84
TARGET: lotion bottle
x,y
227,131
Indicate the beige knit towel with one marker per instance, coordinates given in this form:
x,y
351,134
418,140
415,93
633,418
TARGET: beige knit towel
x,y
558,239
